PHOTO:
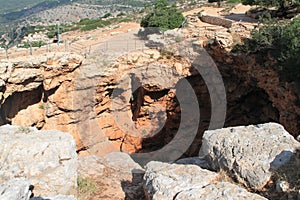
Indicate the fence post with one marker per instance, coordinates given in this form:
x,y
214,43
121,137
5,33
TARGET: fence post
x,y
30,48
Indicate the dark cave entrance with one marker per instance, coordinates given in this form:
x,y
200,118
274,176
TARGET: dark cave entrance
x,y
19,101
246,104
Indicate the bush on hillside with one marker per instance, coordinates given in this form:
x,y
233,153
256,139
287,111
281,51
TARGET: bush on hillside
x,y
163,16
279,41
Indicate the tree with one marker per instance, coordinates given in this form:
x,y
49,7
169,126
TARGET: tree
x,y
279,41
278,3
163,16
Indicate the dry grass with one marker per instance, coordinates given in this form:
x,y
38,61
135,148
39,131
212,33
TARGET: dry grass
x,y
86,188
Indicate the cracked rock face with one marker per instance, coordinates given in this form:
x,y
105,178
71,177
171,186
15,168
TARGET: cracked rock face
x,y
220,190
37,91
165,181
15,189
180,182
47,159
249,153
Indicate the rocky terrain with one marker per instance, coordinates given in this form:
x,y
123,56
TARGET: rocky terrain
x,y
146,122
233,162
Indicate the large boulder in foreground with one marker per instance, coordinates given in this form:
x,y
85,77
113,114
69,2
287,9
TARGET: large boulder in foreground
x,y
47,159
179,182
15,189
165,181
219,190
249,153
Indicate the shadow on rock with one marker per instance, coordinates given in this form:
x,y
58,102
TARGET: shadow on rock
x,y
134,189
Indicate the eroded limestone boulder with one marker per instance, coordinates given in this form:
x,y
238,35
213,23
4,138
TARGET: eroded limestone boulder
x,y
249,153
15,189
47,159
57,197
165,181
219,190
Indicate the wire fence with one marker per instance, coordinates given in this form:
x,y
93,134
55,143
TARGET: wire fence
x,y
125,45
120,43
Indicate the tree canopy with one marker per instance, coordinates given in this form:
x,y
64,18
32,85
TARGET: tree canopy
x,y
267,3
281,42
163,16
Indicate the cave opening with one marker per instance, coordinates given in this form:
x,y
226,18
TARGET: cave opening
x,y
17,102
246,104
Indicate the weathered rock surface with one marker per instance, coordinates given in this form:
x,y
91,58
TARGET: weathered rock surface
x,y
15,189
118,176
46,158
215,20
250,154
180,182
57,197
90,166
262,96
137,116
165,181
194,161
37,91
219,190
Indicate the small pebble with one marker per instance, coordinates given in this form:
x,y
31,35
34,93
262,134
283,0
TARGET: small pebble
x,y
282,186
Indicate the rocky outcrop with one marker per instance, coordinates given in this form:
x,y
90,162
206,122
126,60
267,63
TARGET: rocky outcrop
x,y
219,190
215,20
134,86
47,159
174,181
166,181
249,154
15,189
37,91
57,197
274,99
116,174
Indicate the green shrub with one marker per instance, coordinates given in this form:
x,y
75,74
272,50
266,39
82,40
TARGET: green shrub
x,y
279,41
278,3
163,16
106,15
86,186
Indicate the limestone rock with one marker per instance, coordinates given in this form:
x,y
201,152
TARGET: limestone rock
x,y
15,189
194,161
225,39
121,161
90,166
57,197
282,186
220,190
249,153
165,181
119,176
46,158
36,113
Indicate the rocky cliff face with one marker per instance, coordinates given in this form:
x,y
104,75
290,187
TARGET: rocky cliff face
x,y
278,101
59,92
38,91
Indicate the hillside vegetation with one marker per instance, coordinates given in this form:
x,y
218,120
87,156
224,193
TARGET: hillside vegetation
x,y
277,40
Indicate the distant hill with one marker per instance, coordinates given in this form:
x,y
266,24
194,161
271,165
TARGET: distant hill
x,y
14,5
22,14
